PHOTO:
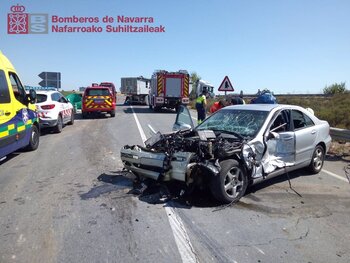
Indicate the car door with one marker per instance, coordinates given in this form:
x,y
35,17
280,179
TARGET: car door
x,y
20,116
183,119
55,97
66,112
281,142
305,136
5,99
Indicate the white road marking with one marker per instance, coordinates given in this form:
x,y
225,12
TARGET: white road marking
x,y
181,237
260,250
336,176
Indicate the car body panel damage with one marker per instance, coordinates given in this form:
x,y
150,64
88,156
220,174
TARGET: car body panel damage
x,y
230,149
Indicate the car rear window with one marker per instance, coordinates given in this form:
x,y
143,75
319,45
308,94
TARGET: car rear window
x,y
41,98
98,92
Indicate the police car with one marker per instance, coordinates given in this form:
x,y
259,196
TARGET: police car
x,y
54,110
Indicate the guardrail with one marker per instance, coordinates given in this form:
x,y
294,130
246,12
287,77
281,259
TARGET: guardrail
x,y
340,134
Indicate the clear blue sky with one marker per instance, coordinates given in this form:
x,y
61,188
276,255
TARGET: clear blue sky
x,y
289,46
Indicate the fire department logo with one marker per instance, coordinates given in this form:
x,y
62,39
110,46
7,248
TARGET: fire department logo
x,y
18,20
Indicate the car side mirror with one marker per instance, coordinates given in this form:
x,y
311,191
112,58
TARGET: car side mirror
x,y
32,96
272,135
181,127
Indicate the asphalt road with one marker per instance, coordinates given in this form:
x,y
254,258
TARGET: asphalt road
x,y
69,201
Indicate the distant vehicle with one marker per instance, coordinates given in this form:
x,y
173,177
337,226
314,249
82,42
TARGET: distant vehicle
x,y
98,99
169,89
198,87
236,146
54,110
136,90
112,88
19,123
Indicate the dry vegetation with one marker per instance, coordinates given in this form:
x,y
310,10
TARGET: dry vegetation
x,y
334,109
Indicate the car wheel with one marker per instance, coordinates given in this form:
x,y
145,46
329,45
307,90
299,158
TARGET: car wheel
x,y
230,184
34,139
71,119
317,160
59,125
84,115
112,113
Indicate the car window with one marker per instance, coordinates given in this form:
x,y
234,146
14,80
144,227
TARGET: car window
x,y
281,122
41,98
4,89
244,122
62,99
301,120
308,121
98,92
55,96
18,90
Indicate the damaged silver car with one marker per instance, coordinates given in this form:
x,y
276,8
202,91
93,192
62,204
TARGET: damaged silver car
x,y
233,148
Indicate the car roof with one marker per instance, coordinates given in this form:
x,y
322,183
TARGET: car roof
x,y
264,107
46,92
97,87
260,107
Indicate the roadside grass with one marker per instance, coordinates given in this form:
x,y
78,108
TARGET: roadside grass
x,y
334,109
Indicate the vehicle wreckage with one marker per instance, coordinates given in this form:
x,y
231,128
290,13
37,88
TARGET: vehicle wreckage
x,y
235,147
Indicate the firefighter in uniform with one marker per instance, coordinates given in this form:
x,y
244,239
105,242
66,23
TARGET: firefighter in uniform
x,y
201,104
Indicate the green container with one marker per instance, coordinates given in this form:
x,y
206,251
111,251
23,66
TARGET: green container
x,y
75,99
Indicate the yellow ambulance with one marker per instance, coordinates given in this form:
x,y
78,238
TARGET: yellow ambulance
x,y
19,123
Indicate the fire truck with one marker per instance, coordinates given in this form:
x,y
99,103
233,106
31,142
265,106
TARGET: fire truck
x,y
169,89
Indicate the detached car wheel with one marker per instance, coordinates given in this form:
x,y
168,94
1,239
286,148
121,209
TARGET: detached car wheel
x,y
317,160
230,185
34,139
59,126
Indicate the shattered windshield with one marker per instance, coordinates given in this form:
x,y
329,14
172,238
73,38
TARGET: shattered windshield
x,y
247,123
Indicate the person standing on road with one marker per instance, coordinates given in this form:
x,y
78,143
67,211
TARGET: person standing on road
x,y
201,104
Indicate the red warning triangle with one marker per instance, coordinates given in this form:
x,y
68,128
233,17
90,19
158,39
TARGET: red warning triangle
x,y
226,85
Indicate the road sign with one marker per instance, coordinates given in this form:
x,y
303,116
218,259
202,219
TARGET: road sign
x,y
226,85
50,79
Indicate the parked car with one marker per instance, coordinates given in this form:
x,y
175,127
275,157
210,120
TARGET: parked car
x,y
54,110
233,148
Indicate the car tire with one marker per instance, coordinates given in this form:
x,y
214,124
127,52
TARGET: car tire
x,y
34,139
58,128
71,119
84,115
230,184
317,160
112,113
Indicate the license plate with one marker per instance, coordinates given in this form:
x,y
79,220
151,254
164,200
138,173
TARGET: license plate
x,y
98,101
